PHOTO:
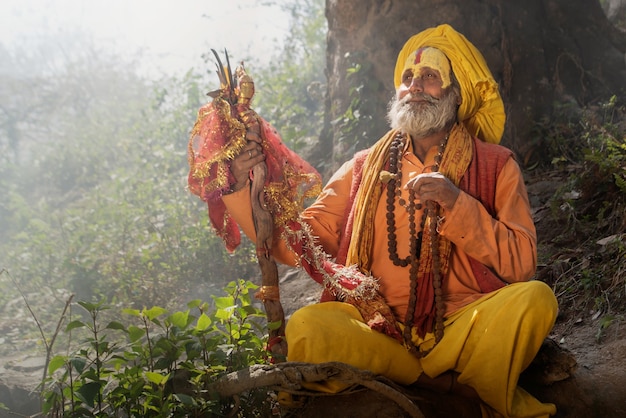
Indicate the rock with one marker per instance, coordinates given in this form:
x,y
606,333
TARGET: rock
x,y
19,392
18,401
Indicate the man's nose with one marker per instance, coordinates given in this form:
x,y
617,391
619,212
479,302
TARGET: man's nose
x,y
416,84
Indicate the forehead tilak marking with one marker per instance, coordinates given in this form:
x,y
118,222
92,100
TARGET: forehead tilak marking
x,y
432,58
418,56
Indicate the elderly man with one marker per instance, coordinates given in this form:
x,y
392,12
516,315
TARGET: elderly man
x,y
439,215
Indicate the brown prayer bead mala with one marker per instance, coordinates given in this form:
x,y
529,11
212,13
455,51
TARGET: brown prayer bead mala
x,y
415,242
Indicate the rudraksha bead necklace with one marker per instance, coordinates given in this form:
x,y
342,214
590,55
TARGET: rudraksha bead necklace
x,y
415,241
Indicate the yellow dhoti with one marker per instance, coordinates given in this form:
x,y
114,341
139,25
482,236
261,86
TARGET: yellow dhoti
x,y
489,342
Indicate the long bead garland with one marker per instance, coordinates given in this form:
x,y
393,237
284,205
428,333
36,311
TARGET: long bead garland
x,y
415,243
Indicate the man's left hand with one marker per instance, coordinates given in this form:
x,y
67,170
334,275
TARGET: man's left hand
x,y
435,187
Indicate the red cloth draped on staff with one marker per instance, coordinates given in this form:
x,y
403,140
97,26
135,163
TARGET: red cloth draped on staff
x,y
219,135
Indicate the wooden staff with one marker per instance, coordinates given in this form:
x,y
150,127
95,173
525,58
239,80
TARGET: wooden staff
x,y
263,225
238,90
269,294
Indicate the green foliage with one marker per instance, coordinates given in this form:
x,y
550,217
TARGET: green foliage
x,y
590,210
291,89
605,322
94,177
606,154
551,138
602,181
93,170
162,363
593,144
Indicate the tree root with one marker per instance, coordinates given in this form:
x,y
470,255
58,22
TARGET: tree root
x,y
290,376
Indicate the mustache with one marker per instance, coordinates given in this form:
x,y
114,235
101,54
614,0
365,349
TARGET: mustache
x,y
420,96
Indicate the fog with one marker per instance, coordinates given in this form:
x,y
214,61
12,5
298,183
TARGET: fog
x,y
97,103
97,100
168,37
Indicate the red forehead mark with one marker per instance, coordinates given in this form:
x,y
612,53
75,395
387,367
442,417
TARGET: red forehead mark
x,y
418,56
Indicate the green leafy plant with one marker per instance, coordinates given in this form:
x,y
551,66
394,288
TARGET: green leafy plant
x,y
161,364
100,207
606,152
588,211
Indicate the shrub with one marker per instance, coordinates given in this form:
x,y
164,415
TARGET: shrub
x,y
161,363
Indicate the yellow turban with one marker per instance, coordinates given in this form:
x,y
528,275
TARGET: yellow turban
x,y
481,110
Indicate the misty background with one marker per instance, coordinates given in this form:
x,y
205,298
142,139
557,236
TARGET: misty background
x,y
96,104
164,37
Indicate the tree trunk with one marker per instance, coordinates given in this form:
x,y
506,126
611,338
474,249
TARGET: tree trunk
x,y
541,52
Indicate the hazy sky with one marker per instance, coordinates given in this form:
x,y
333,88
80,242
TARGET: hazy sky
x,y
172,35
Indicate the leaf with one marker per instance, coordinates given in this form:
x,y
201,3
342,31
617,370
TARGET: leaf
x,y
154,312
116,325
179,319
203,322
51,400
185,399
135,333
223,313
194,303
55,363
606,321
164,344
224,302
78,363
274,325
162,363
89,391
250,310
133,312
156,378
74,324
89,307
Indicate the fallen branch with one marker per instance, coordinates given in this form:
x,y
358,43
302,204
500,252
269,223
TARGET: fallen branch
x,y
290,377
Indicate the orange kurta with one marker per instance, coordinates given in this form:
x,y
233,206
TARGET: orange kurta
x,y
506,244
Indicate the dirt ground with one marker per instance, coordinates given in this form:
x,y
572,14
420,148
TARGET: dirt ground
x,y
595,337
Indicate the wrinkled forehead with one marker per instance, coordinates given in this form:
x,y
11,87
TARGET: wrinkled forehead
x,y
431,58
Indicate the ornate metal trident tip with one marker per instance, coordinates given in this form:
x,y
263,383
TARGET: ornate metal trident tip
x,y
228,83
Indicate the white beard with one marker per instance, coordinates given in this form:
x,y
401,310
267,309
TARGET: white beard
x,y
423,118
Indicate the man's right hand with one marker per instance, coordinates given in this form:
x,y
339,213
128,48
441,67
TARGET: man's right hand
x,y
250,155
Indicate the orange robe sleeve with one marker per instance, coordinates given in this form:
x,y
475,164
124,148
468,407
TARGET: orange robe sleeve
x,y
508,243
325,216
